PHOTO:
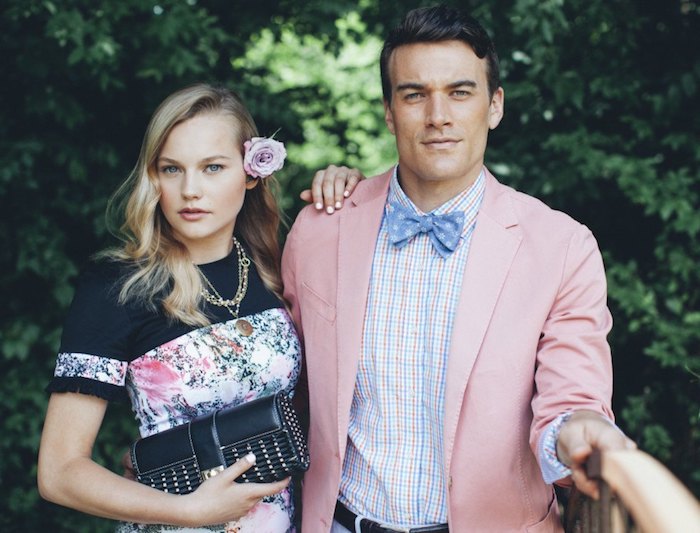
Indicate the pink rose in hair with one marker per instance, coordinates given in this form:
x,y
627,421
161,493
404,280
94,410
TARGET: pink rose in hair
x,y
263,157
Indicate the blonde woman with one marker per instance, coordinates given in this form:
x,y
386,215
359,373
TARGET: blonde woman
x,y
184,318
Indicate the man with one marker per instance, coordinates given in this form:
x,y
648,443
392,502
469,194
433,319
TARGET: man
x,y
455,330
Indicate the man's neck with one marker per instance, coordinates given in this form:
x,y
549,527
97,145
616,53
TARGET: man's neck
x,y
428,195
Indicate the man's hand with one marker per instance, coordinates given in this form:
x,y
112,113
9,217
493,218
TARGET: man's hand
x,y
331,186
579,435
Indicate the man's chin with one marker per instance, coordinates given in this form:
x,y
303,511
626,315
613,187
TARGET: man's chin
x,y
447,173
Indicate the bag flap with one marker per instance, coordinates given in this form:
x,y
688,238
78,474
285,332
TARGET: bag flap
x,y
206,444
165,448
248,420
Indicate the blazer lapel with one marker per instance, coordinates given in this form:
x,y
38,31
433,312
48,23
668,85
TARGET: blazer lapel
x,y
494,244
357,236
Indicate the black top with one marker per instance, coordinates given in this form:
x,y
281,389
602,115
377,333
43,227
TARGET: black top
x,y
98,324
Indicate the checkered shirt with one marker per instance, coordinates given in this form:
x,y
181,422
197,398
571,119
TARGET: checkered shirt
x,y
393,469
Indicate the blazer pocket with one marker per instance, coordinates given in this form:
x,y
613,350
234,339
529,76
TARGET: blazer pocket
x,y
317,303
551,521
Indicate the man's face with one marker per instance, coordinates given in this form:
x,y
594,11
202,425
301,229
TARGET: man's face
x,y
441,114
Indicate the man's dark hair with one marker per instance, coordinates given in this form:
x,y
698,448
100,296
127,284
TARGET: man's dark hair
x,y
436,24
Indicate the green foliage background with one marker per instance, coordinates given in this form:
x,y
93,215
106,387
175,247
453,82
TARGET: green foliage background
x,y
601,122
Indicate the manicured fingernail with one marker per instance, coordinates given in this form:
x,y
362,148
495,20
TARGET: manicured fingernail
x,y
329,210
346,193
338,205
319,205
250,458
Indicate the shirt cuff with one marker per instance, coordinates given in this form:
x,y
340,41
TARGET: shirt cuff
x,y
552,468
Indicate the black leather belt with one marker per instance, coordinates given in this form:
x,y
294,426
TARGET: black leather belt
x,y
346,518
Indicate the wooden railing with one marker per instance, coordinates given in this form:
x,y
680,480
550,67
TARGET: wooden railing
x,y
637,494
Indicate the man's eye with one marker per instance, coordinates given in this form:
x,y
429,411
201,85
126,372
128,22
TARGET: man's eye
x,y
413,96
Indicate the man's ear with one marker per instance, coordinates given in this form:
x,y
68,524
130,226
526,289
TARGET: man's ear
x,y
389,118
496,108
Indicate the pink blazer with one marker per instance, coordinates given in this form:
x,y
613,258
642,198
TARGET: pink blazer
x,y
529,342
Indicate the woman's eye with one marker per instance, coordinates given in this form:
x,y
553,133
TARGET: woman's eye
x,y
169,169
214,167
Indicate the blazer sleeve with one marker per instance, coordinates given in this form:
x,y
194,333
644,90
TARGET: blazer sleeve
x,y
290,256
573,362
289,280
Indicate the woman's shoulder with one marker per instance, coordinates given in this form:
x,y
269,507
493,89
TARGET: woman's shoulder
x,y
104,273
97,290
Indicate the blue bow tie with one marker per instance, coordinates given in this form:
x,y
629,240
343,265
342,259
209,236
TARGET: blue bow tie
x,y
444,231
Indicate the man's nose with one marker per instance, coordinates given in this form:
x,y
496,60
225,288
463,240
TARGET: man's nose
x,y
438,111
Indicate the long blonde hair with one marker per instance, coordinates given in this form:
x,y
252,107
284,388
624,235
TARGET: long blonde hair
x,y
163,269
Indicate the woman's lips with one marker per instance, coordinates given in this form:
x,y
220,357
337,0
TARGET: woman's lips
x,y
192,215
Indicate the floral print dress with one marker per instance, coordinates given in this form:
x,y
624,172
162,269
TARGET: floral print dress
x,y
172,373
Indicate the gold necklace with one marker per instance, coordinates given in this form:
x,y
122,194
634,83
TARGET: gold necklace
x,y
243,326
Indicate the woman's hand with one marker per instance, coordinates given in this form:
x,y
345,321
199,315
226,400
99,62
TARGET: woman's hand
x,y
331,186
128,466
67,475
220,499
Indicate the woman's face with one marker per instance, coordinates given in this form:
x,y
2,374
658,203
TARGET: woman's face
x,y
202,184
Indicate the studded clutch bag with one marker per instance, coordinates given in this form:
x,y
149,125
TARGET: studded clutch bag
x,y
179,459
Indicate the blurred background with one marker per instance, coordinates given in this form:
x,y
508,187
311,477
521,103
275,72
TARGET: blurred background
x,y
602,121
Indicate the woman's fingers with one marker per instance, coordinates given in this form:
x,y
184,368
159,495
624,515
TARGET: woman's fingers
x,y
331,186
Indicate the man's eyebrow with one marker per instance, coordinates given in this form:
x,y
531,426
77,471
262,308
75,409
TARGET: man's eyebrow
x,y
462,83
410,86
414,86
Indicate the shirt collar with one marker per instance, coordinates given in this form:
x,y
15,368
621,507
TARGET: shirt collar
x,y
467,200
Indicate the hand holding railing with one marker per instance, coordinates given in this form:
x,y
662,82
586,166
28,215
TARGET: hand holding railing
x,y
637,494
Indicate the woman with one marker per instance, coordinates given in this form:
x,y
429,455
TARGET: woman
x,y
185,318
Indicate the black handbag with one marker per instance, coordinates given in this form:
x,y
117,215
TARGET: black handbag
x,y
177,460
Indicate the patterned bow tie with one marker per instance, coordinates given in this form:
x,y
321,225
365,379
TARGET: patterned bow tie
x,y
444,231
